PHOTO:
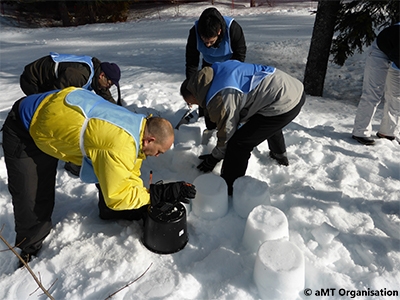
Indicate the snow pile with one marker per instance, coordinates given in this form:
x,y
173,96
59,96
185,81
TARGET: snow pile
x,y
341,199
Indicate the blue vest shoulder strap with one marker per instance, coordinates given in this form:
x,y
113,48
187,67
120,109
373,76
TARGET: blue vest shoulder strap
x,y
60,58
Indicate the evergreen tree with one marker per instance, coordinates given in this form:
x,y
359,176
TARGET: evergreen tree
x,y
358,23
355,22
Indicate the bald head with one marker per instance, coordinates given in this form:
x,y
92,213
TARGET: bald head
x,y
159,128
158,136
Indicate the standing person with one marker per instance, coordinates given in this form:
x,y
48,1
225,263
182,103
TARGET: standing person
x,y
250,104
58,71
216,38
381,81
109,141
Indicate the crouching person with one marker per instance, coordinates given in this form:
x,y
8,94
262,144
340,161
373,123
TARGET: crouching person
x,y
108,141
250,104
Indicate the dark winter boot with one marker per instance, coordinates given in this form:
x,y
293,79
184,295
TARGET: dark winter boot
x,y
26,257
73,169
280,158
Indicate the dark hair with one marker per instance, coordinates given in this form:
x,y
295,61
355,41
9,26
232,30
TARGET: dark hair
x,y
210,23
184,91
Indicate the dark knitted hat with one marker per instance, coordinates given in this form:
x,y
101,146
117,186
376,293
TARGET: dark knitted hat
x,y
112,72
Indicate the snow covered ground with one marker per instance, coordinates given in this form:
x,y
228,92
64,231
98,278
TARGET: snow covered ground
x,y
341,199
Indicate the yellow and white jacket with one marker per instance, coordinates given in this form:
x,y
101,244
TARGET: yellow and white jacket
x,y
65,125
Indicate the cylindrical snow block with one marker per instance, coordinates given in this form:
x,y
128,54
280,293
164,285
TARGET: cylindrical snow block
x,y
249,192
211,200
188,134
264,223
279,271
181,157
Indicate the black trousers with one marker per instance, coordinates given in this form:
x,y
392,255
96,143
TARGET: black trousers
x,y
31,182
107,213
256,130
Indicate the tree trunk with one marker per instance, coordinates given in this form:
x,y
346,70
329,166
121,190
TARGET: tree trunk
x,y
62,8
321,40
92,15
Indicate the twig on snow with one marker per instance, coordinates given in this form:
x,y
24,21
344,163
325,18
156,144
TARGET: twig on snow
x,y
113,294
26,265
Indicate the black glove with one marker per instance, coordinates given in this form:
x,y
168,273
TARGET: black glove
x,y
208,163
172,192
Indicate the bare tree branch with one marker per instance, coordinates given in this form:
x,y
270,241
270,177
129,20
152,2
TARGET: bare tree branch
x,y
26,265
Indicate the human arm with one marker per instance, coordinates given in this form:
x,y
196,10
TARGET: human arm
x,y
28,84
192,54
122,187
113,155
38,76
224,110
106,94
172,192
238,42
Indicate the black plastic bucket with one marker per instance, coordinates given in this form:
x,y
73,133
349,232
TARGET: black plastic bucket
x,y
165,228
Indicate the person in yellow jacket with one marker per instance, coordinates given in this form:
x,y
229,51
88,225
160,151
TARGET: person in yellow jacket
x,y
108,141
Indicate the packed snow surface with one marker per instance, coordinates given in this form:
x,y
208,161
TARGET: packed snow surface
x,y
340,199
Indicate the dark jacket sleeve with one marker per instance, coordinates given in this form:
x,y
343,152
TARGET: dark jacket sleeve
x,y
388,42
192,54
238,42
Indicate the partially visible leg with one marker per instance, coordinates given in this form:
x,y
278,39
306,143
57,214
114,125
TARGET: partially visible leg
x,y
276,143
375,72
250,135
391,111
31,182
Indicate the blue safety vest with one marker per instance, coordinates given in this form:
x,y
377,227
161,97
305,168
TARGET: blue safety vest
x,y
237,75
95,107
60,58
223,52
